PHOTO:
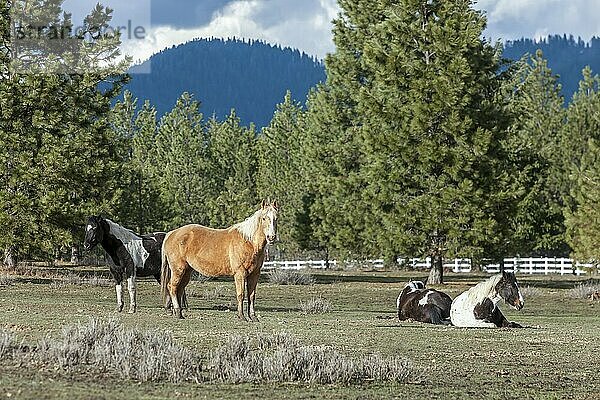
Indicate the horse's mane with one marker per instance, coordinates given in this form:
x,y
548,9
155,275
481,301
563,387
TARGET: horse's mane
x,y
248,227
121,232
487,287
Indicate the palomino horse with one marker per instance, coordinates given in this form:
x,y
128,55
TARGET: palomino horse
x,y
423,305
236,251
477,307
132,255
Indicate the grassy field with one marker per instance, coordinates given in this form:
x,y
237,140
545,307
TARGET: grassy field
x,y
557,355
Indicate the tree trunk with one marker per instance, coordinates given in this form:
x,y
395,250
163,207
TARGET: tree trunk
x,y
74,253
436,275
10,257
390,261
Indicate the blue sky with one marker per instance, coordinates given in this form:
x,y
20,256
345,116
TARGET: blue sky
x,y
306,24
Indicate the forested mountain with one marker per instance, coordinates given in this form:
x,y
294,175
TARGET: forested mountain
x,y
251,77
566,57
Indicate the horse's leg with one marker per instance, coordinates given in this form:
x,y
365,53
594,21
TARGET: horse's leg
x,y
500,320
251,283
240,283
178,270
131,287
119,290
185,279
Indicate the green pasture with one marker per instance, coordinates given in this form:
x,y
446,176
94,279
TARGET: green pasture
x,y
557,355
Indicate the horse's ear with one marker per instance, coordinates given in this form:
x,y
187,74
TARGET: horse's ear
x,y
264,204
275,205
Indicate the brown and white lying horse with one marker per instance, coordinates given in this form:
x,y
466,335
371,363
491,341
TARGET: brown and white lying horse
x,y
477,307
423,305
236,251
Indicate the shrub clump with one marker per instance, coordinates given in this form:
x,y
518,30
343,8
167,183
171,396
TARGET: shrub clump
x,y
132,353
282,358
315,305
584,290
530,291
280,276
7,344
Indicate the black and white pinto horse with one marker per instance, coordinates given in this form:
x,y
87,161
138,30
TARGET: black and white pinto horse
x,y
132,255
477,307
424,305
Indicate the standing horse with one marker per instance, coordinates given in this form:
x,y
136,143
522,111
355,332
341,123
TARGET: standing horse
x,y
477,307
423,305
236,251
132,255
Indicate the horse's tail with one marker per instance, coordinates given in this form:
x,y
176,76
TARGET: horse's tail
x,y
165,274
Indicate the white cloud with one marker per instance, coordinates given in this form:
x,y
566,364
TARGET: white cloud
x,y
513,19
306,26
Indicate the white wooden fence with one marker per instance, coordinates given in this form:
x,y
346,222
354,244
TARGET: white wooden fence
x,y
529,265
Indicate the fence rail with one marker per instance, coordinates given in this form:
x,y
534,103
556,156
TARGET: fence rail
x,y
528,265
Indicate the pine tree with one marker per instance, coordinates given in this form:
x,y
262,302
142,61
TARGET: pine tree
x,y
583,222
281,172
422,86
140,207
533,146
233,168
581,166
184,178
61,159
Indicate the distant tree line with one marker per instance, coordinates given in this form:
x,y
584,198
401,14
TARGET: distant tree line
x,y
422,142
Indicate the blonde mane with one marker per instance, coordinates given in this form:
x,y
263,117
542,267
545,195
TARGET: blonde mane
x,y
248,227
488,287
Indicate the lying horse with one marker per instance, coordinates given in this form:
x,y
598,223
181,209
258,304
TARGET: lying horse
x,y
236,251
423,305
477,307
132,255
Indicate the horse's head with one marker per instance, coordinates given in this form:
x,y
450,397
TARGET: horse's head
x,y
268,220
94,233
415,285
508,289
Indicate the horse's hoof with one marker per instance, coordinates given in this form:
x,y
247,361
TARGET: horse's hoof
x,y
131,311
119,308
242,318
254,318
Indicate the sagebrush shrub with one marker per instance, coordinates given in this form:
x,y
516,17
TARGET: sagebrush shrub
x,y
584,290
282,358
150,355
315,305
280,276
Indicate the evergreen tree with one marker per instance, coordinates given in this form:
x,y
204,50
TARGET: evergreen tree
x,y
140,207
583,223
184,176
281,173
581,163
61,159
423,87
233,168
534,149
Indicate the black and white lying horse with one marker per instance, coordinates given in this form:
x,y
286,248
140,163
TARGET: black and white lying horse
x,y
477,307
132,255
424,305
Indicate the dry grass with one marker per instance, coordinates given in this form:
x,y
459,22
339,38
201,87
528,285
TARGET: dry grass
x,y
282,358
584,290
290,277
7,344
102,346
530,291
315,305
